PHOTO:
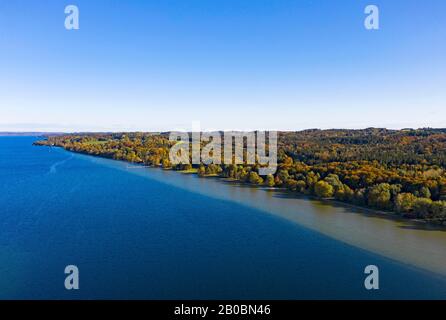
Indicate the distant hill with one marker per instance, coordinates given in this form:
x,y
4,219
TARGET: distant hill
x,y
29,134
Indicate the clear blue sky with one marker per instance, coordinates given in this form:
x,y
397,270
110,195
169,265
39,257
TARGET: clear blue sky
x,y
230,64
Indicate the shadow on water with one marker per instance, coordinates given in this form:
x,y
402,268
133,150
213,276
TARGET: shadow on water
x,y
388,235
365,212
426,227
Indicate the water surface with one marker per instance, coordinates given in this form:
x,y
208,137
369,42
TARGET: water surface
x,y
154,234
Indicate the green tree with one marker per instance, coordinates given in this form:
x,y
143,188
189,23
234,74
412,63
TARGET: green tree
x,y
291,184
334,181
166,163
270,180
439,210
301,186
422,208
323,189
425,192
379,196
201,170
254,178
404,202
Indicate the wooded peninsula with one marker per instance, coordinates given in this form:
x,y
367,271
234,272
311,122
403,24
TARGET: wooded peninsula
x,y
399,171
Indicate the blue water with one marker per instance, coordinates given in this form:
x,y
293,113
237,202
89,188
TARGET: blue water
x,y
136,237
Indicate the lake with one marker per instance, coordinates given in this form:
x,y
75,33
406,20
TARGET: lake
x,y
146,233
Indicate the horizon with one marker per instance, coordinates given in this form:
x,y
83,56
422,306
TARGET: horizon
x,y
168,131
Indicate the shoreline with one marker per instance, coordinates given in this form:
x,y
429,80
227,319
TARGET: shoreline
x,y
401,240
331,201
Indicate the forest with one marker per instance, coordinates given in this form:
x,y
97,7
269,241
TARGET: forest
x,y
396,171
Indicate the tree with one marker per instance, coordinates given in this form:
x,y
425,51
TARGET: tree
x,y
425,192
283,175
213,169
287,161
301,186
439,210
201,170
291,184
359,197
166,163
312,179
344,193
422,208
254,178
443,190
323,189
379,196
270,180
334,181
404,202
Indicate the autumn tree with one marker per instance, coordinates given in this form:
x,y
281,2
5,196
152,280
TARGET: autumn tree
x,y
323,189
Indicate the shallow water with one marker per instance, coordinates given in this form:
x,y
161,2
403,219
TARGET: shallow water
x,y
407,241
148,233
